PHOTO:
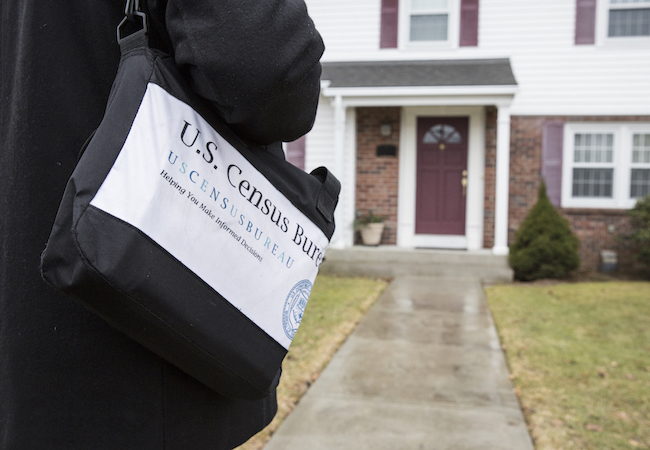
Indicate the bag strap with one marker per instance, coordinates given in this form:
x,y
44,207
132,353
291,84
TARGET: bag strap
x,y
328,194
132,30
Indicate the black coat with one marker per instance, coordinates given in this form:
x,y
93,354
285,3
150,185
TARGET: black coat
x,y
67,379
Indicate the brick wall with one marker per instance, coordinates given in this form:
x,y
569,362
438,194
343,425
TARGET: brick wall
x,y
596,229
377,176
490,175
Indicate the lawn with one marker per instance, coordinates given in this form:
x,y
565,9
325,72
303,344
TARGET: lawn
x,y
335,307
579,357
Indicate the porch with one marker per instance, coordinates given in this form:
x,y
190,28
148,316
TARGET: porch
x,y
423,143
391,261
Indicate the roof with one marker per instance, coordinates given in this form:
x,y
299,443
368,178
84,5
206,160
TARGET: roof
x,y
474,72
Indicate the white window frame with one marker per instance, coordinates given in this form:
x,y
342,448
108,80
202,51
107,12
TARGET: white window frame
x,y
602,27
453,29
637,165
622,164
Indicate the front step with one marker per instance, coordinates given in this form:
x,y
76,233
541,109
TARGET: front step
x,y
388,262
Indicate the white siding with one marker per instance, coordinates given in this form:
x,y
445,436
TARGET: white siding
x,y
347,26
555,76
320,140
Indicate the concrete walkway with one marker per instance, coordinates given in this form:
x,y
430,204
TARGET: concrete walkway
x,y
423,370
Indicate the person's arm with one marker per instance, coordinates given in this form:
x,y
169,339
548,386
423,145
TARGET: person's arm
x,y
256,61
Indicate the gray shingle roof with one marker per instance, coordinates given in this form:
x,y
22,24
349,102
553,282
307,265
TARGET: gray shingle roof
x,y
476,72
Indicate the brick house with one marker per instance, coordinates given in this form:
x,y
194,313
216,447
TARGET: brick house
x,y
445,115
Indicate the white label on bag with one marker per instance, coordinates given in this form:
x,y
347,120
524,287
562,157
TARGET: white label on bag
x,y
183,185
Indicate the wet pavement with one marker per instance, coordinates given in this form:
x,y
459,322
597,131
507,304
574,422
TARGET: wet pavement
x,y
423,370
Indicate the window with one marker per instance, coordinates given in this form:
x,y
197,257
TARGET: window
x,y
593,157
618,22
429,20
640,179
442,133
628,18
429,23
605,165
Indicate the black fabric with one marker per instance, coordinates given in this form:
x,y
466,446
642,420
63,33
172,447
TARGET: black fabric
x,y
132,282
68,380
328,195
262,31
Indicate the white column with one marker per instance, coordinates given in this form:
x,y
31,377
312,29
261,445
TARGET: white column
x,y
502,182
339,238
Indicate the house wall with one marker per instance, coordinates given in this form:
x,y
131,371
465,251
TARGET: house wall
x,y
555,76
377,176
557,80
376,185
597,229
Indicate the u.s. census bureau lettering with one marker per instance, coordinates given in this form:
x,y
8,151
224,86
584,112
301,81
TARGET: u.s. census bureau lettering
x,y
231,215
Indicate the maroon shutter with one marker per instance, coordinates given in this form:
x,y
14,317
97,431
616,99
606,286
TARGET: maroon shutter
x,y
585,21
468,23
552,142
296,152
388,38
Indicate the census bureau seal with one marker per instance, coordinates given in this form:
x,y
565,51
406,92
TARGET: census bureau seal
x,y
294,307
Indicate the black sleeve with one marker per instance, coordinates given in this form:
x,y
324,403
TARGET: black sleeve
x,y
256,61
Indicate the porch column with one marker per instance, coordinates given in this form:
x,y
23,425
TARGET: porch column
x,y
340,236
502,182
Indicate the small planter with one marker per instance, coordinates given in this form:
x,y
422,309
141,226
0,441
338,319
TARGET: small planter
x,y
370,227
371,233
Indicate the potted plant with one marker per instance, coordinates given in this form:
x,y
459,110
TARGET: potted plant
x,y
371,227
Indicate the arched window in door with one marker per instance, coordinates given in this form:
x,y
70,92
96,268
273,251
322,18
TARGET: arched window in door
x,y
442,134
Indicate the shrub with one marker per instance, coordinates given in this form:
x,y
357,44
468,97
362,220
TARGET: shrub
x,y
545,246
641,229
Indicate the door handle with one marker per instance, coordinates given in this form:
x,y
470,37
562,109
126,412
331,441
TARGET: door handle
x,y
463,182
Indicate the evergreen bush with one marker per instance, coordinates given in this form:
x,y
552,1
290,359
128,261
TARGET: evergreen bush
x,y
641,229
545,246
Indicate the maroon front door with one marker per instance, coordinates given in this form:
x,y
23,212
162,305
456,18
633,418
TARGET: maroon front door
x,y
441,175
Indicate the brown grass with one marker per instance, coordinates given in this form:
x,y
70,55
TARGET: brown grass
x,y
579,355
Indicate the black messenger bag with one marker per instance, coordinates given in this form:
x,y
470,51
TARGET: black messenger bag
x,y
201,248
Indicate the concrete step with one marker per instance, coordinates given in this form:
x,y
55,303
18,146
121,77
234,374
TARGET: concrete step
x,y
390,261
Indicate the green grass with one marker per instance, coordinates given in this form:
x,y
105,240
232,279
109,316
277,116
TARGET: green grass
x,y
335,307
579,356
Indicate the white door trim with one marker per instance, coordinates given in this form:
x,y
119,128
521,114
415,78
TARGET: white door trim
x,y
473,239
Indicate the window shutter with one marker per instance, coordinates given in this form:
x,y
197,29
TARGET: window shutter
x,y
585,21
552,143
296,152
388,38
468,23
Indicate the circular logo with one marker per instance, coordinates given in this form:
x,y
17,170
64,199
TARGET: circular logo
x,y
294,307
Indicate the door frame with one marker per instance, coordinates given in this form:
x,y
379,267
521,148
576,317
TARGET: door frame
x,y
473,237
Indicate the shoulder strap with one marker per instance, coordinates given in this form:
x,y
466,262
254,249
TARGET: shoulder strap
x,y
328,194
132,30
